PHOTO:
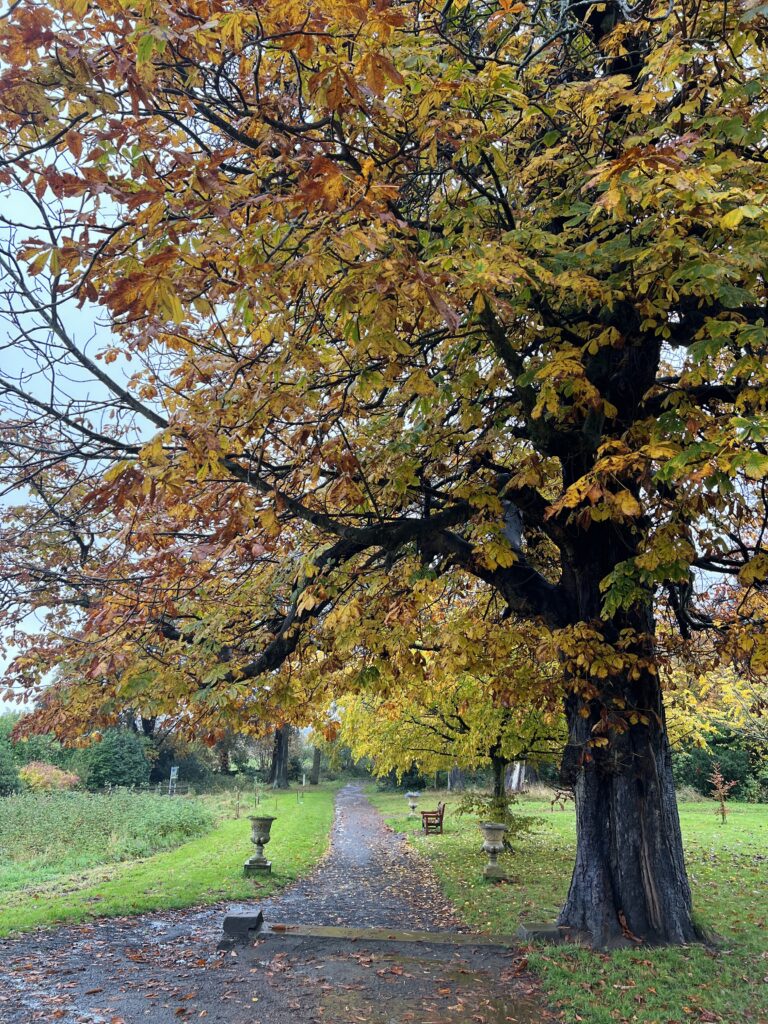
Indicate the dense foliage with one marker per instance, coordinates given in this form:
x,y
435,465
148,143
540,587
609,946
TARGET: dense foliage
x,y
194,767
741,763
118,759
455,721
9,772
35,747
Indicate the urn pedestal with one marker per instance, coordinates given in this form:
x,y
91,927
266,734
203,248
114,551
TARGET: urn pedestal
x,y
493,844
412,799
260,829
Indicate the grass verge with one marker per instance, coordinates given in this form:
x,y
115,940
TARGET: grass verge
x,y
728,869
206,870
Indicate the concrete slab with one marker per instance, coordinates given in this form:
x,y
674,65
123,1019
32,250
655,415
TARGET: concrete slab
x,y
388,935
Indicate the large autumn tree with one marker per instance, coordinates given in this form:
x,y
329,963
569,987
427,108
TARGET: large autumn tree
x,y
398,295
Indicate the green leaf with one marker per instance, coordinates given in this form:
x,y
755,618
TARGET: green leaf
x,y
146,47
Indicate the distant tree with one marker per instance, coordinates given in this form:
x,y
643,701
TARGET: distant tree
x,y
278,772
455,779
317,757
223,750
195,761
721,788
444,721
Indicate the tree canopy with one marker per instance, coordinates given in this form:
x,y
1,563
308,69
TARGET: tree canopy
x,y
406,302
449,716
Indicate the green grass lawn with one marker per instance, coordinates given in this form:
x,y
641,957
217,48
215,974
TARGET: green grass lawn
x,y
728,868
204,870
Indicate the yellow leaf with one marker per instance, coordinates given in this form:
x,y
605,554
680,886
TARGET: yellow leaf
x,y
37,266
660,450
755,570
269,522
734,217
628,504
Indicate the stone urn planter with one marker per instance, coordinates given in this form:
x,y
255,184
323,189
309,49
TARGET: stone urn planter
x,y
260,829
412,799
493,844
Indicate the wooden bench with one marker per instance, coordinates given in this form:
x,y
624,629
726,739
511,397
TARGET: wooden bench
x,y
432,821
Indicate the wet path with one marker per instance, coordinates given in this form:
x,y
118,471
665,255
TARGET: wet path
x,y
371,878
162,968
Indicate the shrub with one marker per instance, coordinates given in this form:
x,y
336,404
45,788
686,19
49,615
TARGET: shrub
x,y
39,775
755,789
499,809
35,747
694,767
9,775
118,759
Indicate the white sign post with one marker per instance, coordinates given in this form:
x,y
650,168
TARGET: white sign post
x,y
172,781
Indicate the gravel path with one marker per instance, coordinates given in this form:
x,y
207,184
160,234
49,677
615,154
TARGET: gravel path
x,y
371,878
162,968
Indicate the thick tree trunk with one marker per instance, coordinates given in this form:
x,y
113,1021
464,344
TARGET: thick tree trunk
x,y
314,775
455,780
278,773
629,882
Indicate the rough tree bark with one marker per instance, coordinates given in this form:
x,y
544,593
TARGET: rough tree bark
x,y
278,772
455,780
148,726
629,882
